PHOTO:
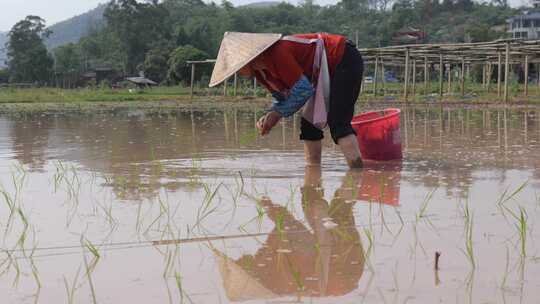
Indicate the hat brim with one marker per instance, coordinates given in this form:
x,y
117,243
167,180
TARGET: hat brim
x,y
237,50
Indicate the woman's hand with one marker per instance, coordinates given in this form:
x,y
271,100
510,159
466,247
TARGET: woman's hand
x,y
267,122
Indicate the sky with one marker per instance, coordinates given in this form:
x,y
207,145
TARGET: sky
x,y
12,11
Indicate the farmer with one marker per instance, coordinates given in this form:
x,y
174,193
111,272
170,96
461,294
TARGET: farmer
x,y
320,73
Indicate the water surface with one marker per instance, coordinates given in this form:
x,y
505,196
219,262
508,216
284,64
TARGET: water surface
x,y
193,207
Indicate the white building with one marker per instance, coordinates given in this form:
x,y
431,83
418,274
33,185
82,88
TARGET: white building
x,y
527,25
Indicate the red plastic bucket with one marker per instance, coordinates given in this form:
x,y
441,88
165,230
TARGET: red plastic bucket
x,y
379,134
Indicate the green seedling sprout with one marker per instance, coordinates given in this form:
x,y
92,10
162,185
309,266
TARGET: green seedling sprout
x,y
70,290
469,247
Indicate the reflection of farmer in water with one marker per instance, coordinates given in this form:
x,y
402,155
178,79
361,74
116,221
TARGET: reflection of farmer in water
x,y
320,73
325,259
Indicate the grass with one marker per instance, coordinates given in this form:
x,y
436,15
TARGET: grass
x,y
474,93
393,91
91,95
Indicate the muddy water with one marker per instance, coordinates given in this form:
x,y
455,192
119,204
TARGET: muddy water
x,y
193,207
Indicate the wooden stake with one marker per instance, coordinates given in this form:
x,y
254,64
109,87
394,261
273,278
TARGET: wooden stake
x,y
484,76
254,86
462,76
414,78
488,81
499,74
506,71
526,76
441,70
192,84
375,74
538,68
235,87
426,78
450,78
383,74
225,84
405,87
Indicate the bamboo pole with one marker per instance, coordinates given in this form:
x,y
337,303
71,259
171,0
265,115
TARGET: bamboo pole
x,y
499,74
254,86
506,71
538,68
426,75
383,74
405,91
449,78
484,76
375,74
488,78
414,78
235,87
192,84
441,70
225,84
462,76
526,76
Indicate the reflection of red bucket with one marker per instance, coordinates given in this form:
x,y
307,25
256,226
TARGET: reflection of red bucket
x,y
380,183
378,134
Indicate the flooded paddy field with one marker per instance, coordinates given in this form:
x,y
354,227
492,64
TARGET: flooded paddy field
x,y
194,207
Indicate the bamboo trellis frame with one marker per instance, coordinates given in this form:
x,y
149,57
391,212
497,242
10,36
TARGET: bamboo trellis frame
x,y
462,55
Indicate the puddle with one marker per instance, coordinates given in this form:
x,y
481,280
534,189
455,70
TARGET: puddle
x,y
193,207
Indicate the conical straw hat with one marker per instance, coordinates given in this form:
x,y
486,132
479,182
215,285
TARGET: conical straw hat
x,y
239,285
237,50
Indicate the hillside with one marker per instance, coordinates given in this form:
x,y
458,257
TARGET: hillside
x,y
73,29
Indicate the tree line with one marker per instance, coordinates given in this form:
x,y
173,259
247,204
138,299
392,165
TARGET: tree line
x,y
158,37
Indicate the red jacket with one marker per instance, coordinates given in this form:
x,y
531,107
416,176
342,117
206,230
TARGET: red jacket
x,y
286,61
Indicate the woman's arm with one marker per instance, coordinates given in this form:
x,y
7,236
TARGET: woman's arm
x,y
300,93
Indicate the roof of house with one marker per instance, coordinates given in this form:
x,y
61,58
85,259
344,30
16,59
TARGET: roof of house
x,y
526,16
141,80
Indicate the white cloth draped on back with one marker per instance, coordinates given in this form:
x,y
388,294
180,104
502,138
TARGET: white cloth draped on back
x,y
316,109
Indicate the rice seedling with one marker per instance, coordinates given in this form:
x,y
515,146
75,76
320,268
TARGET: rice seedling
x,y
424,205
416,241
181,291
90,281
280,216
383,220
521,226
70,290
86,244
296,275
205,209
370,238
10,202
401,221
469,246
505,197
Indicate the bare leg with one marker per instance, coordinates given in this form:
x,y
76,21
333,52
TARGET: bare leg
x,y
351,151
312,152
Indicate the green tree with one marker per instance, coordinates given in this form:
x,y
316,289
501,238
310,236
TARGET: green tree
x,y
155,65
67,58
67,64
4,75
137,26
178,68
28,59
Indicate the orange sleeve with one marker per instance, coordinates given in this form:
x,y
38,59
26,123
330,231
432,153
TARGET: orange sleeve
x,y
281,61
